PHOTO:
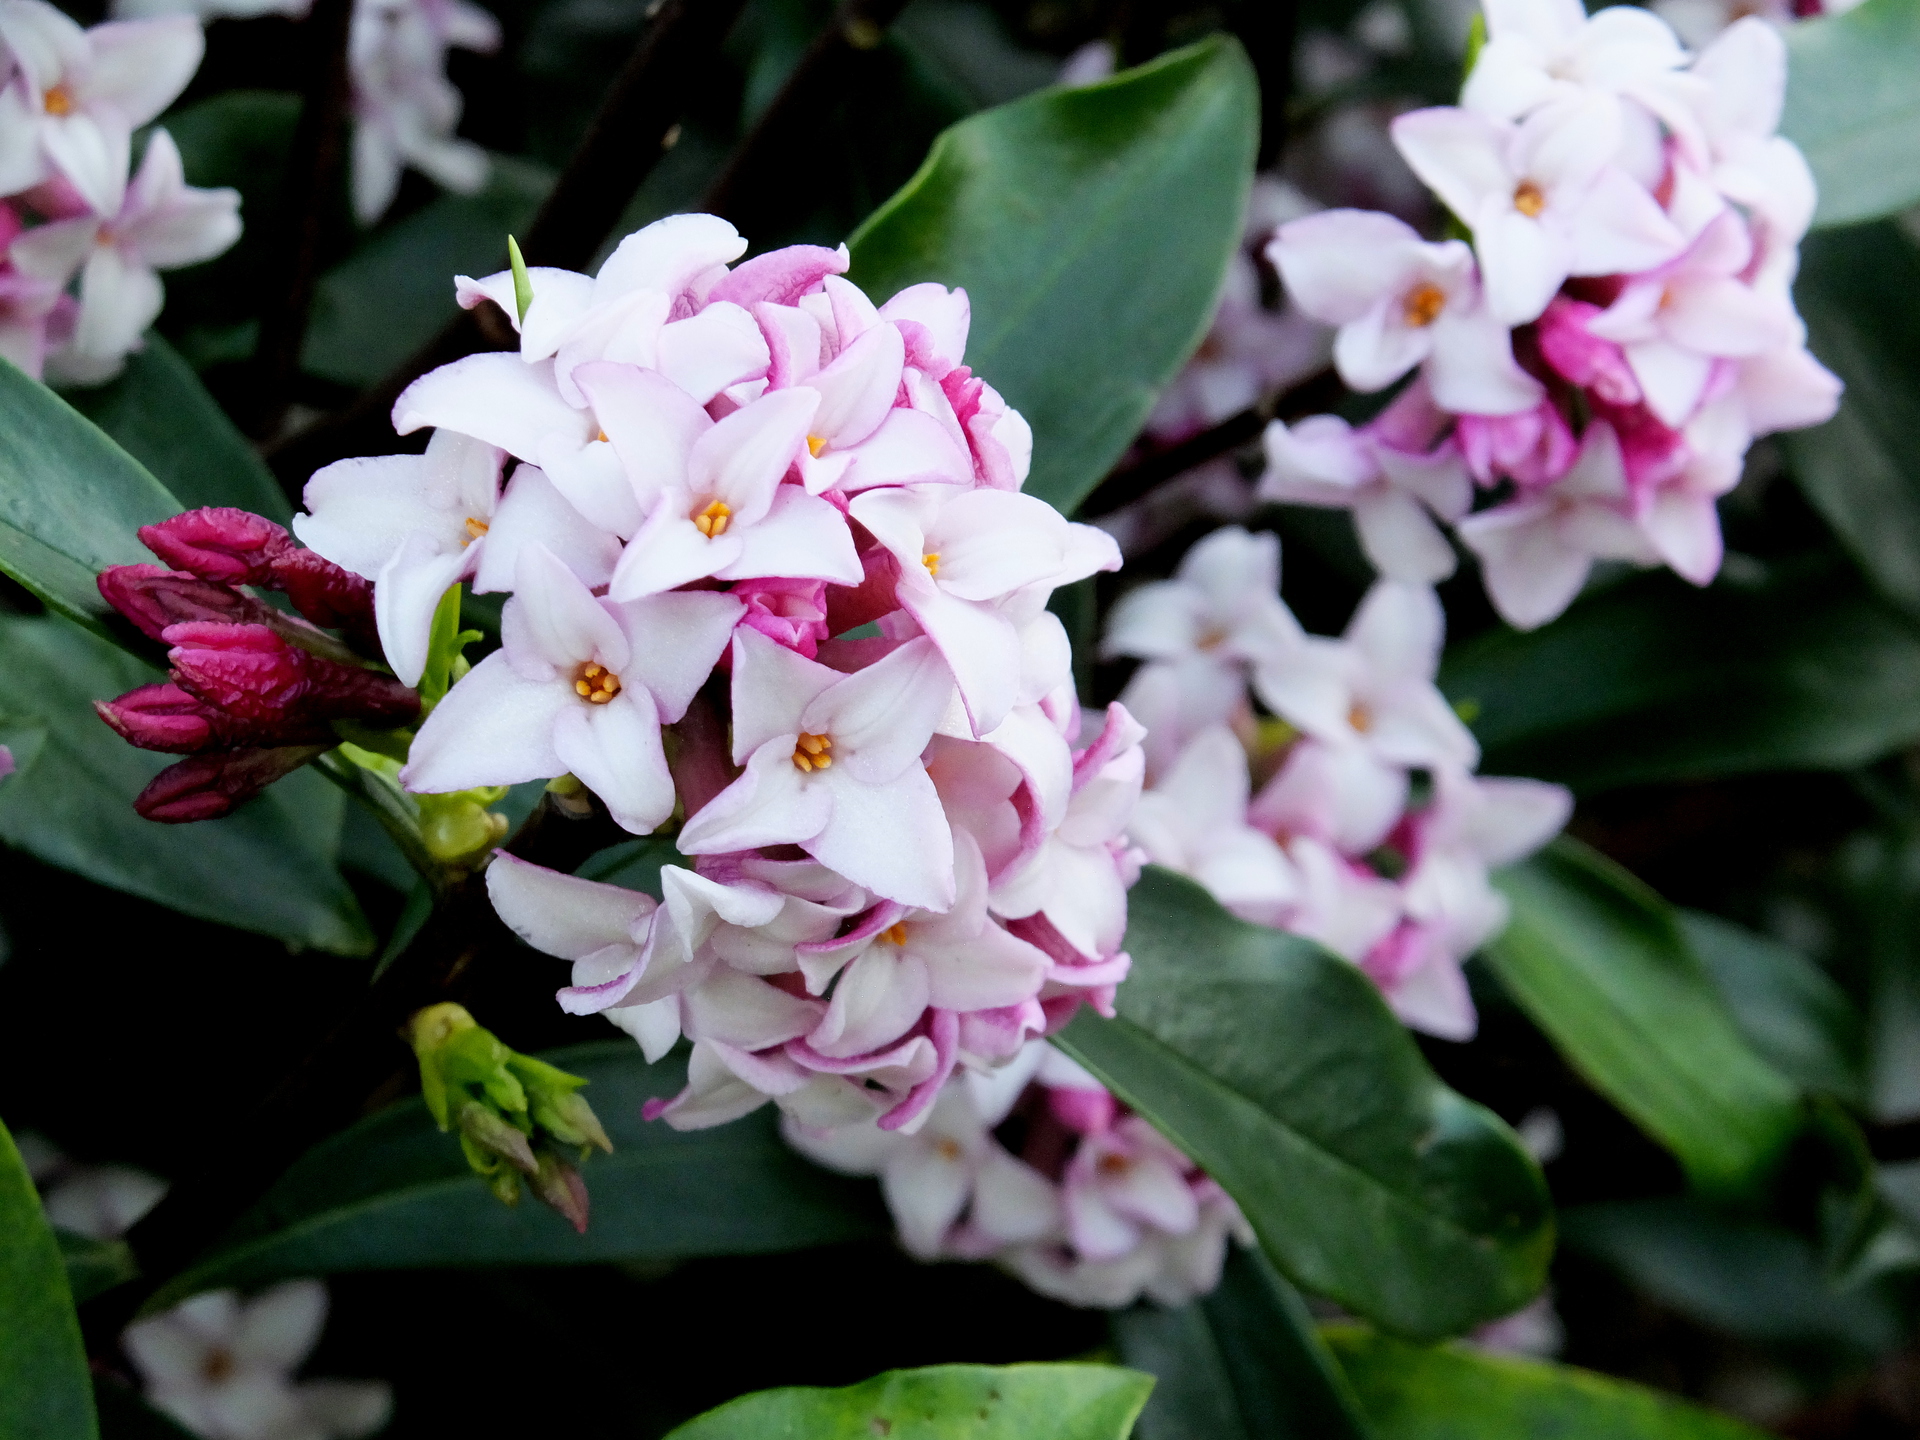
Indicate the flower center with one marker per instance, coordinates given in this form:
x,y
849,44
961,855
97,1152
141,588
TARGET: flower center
x,y
1113,1163
812,752
595,684
1423,305
947,1148
217,1367
1529,199
815,444
712,521
476,527
896,933
932,561
1360,717
1211,638
57,101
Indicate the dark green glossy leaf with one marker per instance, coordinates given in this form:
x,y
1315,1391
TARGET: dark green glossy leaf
x,y
942,1402
1278,1068
1244,1363
1091,229
1852,108
268,867
70,500
1456,1393
1788,1008
1599,963
394,1193
160,413
44,1389
1741,1277
1652,680
634,864
1859,291
94,1266
395,292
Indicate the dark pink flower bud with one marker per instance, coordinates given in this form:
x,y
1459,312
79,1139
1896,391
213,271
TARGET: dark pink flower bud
x,y
850,606
236,547
207,786
1583,358
166,717
328,595
154,597
792,613
1533,449
253,673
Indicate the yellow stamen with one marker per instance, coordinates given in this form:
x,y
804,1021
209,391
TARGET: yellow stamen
x,y
815,444
811,752
218,1366
601,436
1113,1164
1423,305
1360,717
947,1148
712,521
1529,199
476,527
57,101
896,933
1211,638
595,684
932,561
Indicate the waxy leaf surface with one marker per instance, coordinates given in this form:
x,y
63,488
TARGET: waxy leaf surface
x,y
1244,1363
1852,108
1091,229
44,1389
1601,964
942,1402
269,867
1276,1066
393,1193
1454,1393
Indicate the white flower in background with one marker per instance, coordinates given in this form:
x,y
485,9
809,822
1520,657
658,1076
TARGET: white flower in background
x,y
162,223
101,1202
405,109
223,1368
76,96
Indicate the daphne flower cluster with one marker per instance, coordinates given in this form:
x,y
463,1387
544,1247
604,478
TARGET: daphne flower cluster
x,y
1369,833
772,575
254,693
405,110
1036,1167
1621,328
82,234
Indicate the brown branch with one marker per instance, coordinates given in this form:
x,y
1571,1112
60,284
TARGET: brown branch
x,y
755,186
1131,481
314,169
628,135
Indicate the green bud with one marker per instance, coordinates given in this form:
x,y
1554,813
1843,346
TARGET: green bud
x,y
559,1186
509,1110
458,828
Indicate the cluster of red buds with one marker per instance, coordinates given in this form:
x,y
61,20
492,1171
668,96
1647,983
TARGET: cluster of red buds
x,y
254,692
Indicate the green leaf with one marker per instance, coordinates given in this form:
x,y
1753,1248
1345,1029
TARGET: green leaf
x,y
1244,1363
1456,1393
94,1266
395,292
1852,108
160,413
394,1193
1091,229
1652,680
70,500
1277,1067
1789,1009
1859,291
269,867
942,1402
1600,964
1741,1277
44,1389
